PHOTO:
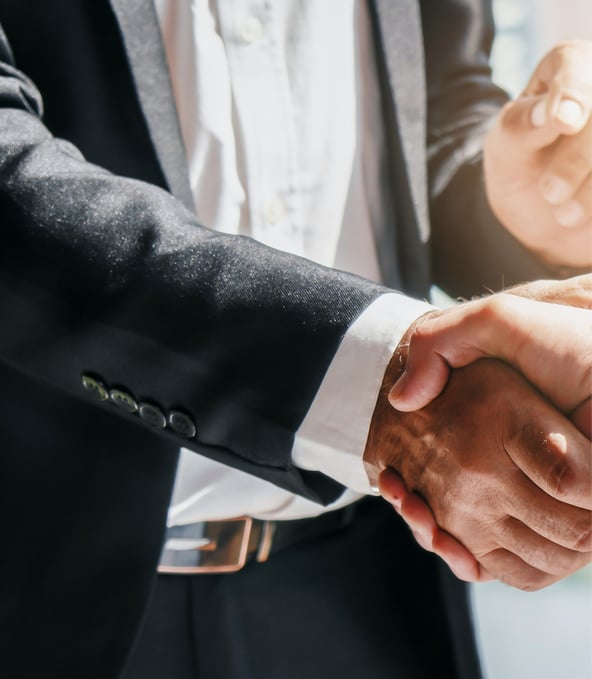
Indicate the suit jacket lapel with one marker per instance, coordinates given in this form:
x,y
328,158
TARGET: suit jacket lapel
x,y
399,24
402,45
143,43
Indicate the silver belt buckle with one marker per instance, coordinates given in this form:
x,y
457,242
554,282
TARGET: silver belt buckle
x,y
207,547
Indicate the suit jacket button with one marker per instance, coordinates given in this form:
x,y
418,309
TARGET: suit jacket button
x,y
95,388
123,400
152,415
182,424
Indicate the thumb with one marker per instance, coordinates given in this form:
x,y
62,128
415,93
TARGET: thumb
x,y
425,376
451,339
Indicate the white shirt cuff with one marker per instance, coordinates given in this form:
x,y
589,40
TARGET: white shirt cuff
x,y
332,436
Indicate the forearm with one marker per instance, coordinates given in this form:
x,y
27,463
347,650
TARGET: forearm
x,y
120,281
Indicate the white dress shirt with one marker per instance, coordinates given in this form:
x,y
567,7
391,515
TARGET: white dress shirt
x,y
280,112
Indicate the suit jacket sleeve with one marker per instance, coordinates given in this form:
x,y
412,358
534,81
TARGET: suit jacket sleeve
x,y
113,277
471,250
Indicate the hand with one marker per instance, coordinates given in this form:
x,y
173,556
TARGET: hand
x,y
420,519
551,344
498,465
429,372
538,159
576,291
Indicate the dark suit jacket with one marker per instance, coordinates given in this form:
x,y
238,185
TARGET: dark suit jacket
x,y
102,273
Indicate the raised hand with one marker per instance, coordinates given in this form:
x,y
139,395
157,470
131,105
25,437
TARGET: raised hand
x,y
538,159
500,468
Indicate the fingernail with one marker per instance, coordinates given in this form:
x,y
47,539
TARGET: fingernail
x,y
393,395
570,214
570,112
538,114
555,190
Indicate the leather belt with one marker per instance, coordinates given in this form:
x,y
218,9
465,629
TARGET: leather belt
x,y
226,546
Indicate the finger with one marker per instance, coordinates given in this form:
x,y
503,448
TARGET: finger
x,y
421,541
424,377
577,212
551,452
576,291
537,551
420,519
567,169
430,536
560,523
564,76
501,326
526,123
427,533
558,113
450,339
512,570
392,488
567,113
457,557
484,574
414,511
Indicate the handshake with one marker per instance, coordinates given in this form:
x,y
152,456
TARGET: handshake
x,y
480,438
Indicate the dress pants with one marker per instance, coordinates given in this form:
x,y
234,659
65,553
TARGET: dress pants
x,y
362,602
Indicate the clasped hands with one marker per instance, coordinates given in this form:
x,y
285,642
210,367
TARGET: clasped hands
x,y
481,434
489,459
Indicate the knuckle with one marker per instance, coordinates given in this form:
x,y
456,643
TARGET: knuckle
x,y
519,580
543,558
507,109
527,578
501,527
494,308
509,117
487,501
526,586
560,563
582,537
422,334
535,585
440,542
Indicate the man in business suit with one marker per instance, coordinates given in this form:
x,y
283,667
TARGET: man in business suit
x,y
122,320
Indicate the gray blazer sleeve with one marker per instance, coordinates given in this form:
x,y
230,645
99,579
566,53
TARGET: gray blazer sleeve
x,y
111,277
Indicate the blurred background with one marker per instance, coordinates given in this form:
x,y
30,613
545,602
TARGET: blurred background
x,y
546,634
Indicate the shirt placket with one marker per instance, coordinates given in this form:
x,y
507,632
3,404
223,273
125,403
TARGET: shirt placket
x,y
266,127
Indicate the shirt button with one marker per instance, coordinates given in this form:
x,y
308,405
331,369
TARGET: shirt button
x,y
95,388
275,211
152,415
251,30
182,424
123,400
